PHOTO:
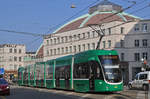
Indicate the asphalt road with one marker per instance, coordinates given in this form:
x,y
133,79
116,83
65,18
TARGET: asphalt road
x,y
19,92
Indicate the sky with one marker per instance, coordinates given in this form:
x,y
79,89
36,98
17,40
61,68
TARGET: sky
x,y
43,17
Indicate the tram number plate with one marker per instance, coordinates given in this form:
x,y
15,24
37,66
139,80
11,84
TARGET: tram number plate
x,y
116,87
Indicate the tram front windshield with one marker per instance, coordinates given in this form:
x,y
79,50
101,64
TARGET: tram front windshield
x,y
110,64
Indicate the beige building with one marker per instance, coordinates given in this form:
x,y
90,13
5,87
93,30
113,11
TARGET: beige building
x,y
11,56
127,34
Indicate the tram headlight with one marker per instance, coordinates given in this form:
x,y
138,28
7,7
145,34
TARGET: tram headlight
x,y
7,87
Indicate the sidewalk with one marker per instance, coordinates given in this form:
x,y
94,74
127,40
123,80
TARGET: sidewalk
x,y
149,92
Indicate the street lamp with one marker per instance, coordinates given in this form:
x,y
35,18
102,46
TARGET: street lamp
x,y
73,6
144,65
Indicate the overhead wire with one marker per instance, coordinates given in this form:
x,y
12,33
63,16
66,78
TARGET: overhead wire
x,y
68,19
72,16
41,35
31,44
130,13
19,32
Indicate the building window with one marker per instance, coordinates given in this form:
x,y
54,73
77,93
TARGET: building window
x,y
70,38
54,40
136,28
15,67
144,27
20,59
58,40
47,52
88,33
15,50
75,37
66,39
66,49
70,49
93,45
83,35
74,48
144,55
144,43
109,31
79,47
58,50
122,43
83,47
136,43
79,36
51,52
122,56
10,50
137,56
122,30
15,58
62,39
54,51
19,50
93,33
88,46
47,42
62,50
109,43
51,41
10,58
104,44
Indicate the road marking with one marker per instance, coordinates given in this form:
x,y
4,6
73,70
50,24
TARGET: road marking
x,y
69,93
59,91
140,95
108,97
86,95
2,97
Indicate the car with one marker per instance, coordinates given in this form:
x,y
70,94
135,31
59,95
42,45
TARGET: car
x,y
4,87
140,81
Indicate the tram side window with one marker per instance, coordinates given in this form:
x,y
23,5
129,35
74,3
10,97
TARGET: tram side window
x,y
95,70
25,75
49,72
81,70
62,72
67,72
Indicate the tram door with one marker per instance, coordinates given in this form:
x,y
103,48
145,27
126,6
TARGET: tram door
x,y
93,74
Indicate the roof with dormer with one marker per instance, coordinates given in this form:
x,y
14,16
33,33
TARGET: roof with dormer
x,y
98,15
96,18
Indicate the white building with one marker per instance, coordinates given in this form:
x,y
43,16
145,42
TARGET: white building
x,y
127,34
12,56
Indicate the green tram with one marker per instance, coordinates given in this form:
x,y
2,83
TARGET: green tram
x,y
89,71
